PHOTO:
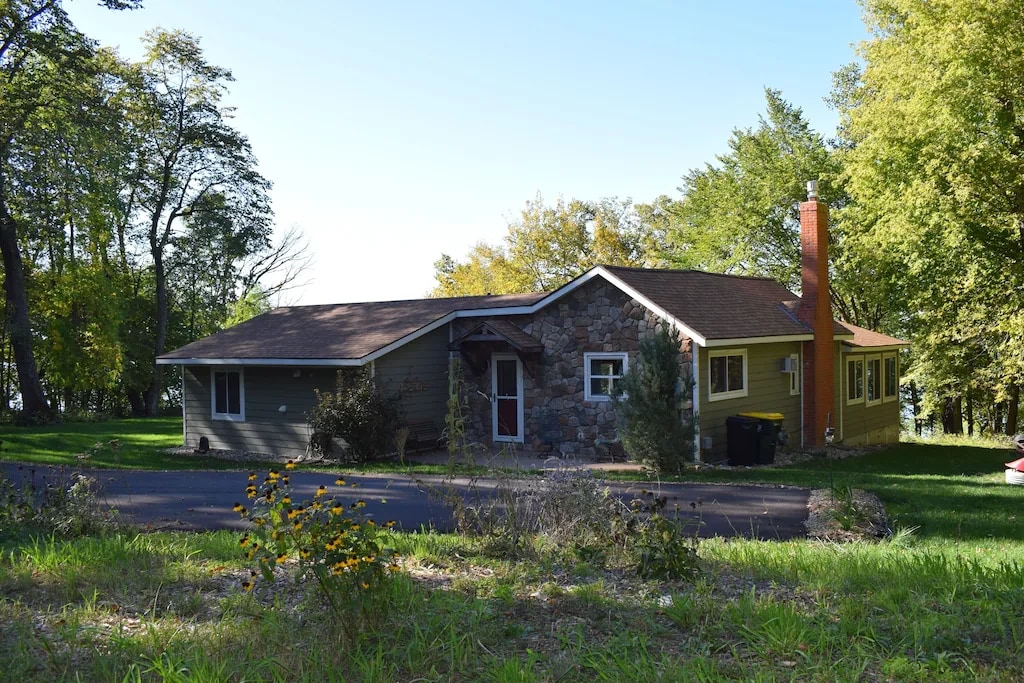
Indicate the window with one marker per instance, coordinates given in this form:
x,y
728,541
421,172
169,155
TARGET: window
x,y
891,381
727,374
855,380
794,377
602,371
874,380
228,395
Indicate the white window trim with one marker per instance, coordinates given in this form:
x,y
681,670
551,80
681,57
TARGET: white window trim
x,y
888,398
795,377
227,417
881,379
738,393
863,378
587,376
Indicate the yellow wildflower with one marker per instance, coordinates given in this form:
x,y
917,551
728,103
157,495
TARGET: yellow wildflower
x,y
339,481
252,476
290,465
322,490
281,557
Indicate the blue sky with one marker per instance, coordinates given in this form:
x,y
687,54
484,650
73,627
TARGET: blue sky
x,y
395,131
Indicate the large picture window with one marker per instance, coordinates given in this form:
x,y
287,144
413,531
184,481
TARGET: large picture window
x,y
891,380
855,380
873,388
228,395
727,374
603,370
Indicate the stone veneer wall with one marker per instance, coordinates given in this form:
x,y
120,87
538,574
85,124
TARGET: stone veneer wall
x,y
596,317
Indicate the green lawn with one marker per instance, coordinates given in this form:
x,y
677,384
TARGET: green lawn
x,y
141,444
944,603
953,492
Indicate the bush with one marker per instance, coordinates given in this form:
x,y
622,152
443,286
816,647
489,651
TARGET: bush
x,y
333,541
646,399
360,412
66,507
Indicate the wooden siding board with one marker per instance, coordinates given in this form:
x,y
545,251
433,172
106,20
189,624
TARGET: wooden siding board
x,y
266,428
419,371
768,392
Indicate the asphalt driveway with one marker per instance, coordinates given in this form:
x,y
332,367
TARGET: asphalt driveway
x,y
200,500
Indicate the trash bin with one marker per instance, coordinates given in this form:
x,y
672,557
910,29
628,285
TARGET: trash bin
x,y
767,433
741,440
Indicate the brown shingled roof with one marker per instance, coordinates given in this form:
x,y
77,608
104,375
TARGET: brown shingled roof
x,y
335,332
865,338
718,306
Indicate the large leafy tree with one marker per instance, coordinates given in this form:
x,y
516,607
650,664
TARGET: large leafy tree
x,y
741,215
194,175
548,245
42,57
935,123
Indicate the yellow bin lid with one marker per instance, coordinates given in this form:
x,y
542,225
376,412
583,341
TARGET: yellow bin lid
x,y
776,417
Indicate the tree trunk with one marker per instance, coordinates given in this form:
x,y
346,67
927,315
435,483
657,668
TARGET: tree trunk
x,y
952,415
970,414
33,400
1012,408
915,404
160,338
136,403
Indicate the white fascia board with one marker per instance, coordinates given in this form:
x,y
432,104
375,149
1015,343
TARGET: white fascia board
x,y
744,341
847,348
283,362
692,334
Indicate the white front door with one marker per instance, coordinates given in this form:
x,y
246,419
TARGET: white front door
x,y
506,398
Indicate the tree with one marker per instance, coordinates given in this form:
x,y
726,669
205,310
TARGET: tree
x,y
935,127
742,215
550,245
190,164
41,54
646,402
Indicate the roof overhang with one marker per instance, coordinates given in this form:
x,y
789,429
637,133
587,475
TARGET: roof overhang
x,y
849,348
746,341
287,362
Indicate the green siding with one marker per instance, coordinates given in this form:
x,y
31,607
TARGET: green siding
x,y
863,424
419,371
767,392
266,429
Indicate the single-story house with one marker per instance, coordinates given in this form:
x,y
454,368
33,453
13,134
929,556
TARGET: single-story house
x,y
538,369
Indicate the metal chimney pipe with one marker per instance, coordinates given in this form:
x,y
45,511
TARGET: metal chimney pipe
x,y
812,190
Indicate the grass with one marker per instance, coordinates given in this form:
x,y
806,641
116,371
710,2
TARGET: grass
x,y
142,444
942,603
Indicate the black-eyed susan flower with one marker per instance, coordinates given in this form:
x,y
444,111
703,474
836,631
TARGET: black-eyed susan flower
x,y
390,524
304,554
259,521
240,509
321,491
339,481
286,499
297,525
290,465
252,476
360,503
281,557
244,541
337,509
250,492
286,480
364,585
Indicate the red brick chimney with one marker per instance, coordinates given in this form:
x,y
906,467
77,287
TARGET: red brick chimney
x,y
816,311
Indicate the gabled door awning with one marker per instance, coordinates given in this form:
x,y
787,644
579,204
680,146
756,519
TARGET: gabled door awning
x,y
476,345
